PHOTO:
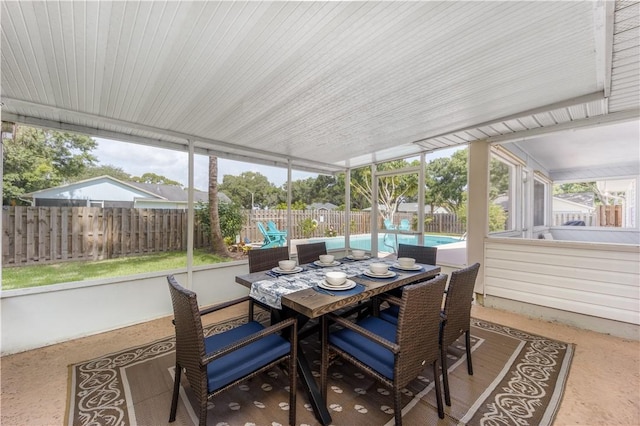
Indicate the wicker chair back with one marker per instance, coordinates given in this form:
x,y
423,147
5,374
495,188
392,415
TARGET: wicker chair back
x,y
425,255
308,253
266,258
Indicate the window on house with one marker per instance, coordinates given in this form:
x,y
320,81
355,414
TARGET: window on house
x,y
539,202
609,203
502,194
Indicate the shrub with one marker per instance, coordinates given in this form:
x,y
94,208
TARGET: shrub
x,y
307,226
231,219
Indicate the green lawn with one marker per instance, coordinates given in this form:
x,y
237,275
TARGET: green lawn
x,y
39,275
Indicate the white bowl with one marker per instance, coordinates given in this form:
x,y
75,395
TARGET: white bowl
x,y
379,268
326,258
357,254
335,278
406,262
287,265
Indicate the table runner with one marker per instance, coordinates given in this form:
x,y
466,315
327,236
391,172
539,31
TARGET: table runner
x,y
270,291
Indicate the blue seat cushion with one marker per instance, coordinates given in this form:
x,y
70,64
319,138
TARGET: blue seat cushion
x,y
366,350
390,314
245,360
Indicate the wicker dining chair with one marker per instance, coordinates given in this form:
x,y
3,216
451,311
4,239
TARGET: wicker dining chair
x,y
216,363
456,318
308,253
425,255
266,258
422,254
393,354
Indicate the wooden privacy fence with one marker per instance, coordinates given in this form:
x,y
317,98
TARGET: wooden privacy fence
x,y
602,216
39,235
52,234
326,220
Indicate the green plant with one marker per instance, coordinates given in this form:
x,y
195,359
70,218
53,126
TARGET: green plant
x,y
330,232
307,226
231,219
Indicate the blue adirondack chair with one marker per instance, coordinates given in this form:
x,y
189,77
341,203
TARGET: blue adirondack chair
x,y
405,225
272,238
388,224
272,227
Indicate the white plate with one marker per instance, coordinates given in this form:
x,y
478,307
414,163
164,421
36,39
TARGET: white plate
x,y
412,268
295,270
348,284
358,258
324,265
389,274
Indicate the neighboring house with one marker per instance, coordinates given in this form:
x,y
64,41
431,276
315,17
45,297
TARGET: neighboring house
x,y
321,206
106,191
582,202
577,206
411,208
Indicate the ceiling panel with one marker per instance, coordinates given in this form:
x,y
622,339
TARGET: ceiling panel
x,y
354,81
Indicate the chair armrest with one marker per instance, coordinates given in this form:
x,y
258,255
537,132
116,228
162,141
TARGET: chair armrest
x,y
272,329
220,306
224,305
393,347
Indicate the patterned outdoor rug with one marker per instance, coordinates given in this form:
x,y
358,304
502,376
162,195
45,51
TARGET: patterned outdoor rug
x,y
518,379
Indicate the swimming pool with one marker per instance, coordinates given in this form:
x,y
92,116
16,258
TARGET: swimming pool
x,y
386,242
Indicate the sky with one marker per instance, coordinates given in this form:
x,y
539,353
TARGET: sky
x,y
137,159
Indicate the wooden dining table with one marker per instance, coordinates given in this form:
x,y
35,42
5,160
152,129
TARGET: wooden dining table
x,y
310,303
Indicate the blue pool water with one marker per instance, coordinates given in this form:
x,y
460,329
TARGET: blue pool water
x,y
386,242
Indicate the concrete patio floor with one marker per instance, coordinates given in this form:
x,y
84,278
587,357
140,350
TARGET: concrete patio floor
x,y
603,386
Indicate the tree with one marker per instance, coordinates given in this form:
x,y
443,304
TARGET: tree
x,y
498,179
321,189
578,187
217,241
37,159
231,219
298,205
108,170
239,189
157,179
392,190
446,181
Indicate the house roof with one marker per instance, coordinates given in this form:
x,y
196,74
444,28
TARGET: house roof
x,y
413,208
582,198
319,85
322,206
176,193
156,191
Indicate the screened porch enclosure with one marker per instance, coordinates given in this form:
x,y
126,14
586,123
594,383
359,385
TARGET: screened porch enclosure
x,y
338,86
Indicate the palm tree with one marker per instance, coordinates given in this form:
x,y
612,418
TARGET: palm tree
x,y
217,242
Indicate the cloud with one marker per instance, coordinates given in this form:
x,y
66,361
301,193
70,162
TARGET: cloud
x,y
137,160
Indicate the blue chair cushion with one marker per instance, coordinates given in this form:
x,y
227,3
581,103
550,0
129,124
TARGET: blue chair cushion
x,y
365,350
245,360
390,314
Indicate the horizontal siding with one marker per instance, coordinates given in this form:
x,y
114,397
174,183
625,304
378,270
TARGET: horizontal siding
x,y
601,280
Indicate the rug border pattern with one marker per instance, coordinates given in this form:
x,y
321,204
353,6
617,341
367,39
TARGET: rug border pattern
x,y
102,399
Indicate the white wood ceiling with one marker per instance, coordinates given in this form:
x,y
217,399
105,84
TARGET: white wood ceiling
x,y
325,85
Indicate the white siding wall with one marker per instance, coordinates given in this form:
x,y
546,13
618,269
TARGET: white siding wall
x,y
600,280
